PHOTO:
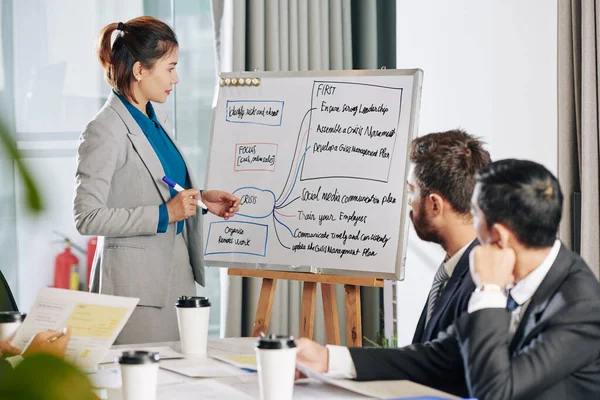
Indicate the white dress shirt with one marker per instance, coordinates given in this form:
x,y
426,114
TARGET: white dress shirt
x,y
440,281
521,292
450,265
340,361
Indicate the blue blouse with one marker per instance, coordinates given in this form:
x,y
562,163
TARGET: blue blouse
x,y
167,153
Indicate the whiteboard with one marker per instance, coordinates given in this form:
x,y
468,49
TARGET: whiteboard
x,y
319,161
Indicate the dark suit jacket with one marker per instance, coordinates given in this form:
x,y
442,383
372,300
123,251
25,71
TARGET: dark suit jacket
x,y
554,354
451,304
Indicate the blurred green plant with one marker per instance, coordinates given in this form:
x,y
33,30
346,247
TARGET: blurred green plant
x,y
9,146
382,341
45,377
39,377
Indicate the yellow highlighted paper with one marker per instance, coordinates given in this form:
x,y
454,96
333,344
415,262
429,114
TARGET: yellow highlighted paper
x,y
243,359
89,320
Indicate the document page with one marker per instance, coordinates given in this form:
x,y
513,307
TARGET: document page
x,y
247,361
377,389
205,389
202,367
94,319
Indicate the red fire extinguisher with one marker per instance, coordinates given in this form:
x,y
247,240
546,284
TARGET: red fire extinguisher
x,y
66,265
91,250
66,269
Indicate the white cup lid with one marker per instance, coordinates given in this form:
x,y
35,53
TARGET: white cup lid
x,y
192,302
275,342
11,316
136,357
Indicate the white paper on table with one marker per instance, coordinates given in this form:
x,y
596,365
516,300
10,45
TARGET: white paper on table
x,y
231,345
109,377
245,361
169,378
165,353
309,389
106,378
205,389
95,321
377,389
201,367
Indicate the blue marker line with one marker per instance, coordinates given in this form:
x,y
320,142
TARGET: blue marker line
x,y
286,227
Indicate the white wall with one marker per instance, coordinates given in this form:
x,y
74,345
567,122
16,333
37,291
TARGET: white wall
x,y
490,68
36,244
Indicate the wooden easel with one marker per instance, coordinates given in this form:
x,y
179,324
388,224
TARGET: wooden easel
x,y
309,300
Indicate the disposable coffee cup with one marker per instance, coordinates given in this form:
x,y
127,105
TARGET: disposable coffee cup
x,y
10,321
276,360
139,373
192,318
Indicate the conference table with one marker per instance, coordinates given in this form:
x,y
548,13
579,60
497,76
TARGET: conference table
x,y
177,386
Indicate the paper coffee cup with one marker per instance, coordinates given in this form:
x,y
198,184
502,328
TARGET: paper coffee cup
x,y
276,360
139,374
192,318
10,321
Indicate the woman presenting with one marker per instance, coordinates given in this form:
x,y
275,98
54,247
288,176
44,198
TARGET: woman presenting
x,y
149,235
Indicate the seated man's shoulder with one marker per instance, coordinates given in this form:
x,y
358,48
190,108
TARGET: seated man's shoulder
x,y
577,298
580,284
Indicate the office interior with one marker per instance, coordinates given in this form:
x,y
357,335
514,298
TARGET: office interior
x,y
499,70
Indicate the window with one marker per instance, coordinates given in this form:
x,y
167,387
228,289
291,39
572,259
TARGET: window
x,y
193,108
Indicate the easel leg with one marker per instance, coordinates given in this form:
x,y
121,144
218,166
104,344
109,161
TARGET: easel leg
x,y
353,316
332,328
265,305
309,302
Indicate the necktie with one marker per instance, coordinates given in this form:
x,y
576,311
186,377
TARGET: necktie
x,y
439,280
515,316
511,304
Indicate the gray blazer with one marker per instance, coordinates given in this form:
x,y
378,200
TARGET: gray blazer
x,y
118,189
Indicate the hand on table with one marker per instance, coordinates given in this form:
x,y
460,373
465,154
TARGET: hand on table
x,y
313,355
